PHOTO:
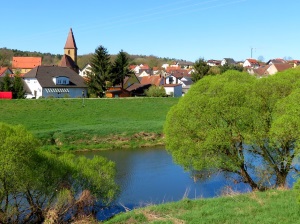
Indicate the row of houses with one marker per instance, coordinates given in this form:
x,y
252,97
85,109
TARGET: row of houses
x,y
258,68
66,79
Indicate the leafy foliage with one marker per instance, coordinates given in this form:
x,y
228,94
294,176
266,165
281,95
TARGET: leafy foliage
x,y
227,67
236,123
201,69
120,69
14,85
156,91
34,183
101,66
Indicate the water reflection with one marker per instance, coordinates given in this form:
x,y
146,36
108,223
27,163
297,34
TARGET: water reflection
x,y
149,176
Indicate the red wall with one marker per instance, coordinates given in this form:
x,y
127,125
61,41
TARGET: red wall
x,y
5,95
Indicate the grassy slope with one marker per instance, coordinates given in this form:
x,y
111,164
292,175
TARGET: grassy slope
x,y
67,122
256,207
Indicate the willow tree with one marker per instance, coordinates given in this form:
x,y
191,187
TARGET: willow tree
x,y
237,124
36,186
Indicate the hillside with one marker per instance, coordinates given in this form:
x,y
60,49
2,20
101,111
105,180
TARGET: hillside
x,y
53,59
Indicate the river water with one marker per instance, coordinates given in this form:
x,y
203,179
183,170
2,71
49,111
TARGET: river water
x,y
149,176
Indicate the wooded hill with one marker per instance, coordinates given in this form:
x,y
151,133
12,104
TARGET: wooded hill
x,y
53,59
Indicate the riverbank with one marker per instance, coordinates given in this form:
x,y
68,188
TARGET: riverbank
x,y
95,124
273,206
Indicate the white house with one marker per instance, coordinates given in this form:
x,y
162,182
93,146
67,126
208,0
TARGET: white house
x,y
251,63
228,61
174,90
186,83
86,69
171,79
54,81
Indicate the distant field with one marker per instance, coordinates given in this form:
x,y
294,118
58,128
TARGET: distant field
x,y
64,122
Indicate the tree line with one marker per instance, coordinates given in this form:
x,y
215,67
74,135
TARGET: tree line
x,y
82,60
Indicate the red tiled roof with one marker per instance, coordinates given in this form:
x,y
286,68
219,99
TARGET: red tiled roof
x,y
252,61
26,62
132,67
169,69
282,67
3,70
144,67
67,61
153,80
261,71
70,43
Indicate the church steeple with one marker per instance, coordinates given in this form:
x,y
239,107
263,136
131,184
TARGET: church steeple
x,y
70,46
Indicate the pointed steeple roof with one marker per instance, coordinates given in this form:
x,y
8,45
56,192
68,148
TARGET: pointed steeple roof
x,y
70,44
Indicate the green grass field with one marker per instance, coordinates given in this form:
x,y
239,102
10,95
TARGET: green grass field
x,y
92,124
270,207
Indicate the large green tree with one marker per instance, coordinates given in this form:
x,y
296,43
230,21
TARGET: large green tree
x,y
100,71
120,69
238,124
18,87
36,186
201,69
6,84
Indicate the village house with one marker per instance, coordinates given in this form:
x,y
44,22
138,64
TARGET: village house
x,y
213,63
86,70
23,65
251,63
228,61
54,81
5,71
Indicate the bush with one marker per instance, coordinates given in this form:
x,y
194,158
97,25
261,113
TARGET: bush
x,y
156,91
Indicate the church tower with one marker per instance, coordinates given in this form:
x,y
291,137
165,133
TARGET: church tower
x,y
70,47
69,59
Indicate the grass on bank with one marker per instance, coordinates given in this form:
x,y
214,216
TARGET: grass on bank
x,y
274,206
92,123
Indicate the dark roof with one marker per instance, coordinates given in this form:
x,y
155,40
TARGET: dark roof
x,y
188,81
229,61
45,74
276,61
137,86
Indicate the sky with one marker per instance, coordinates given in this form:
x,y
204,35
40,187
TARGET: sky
x,y
180,29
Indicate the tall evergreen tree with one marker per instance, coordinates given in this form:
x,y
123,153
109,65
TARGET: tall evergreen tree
x,y
18,89
120,69
6,84
99,72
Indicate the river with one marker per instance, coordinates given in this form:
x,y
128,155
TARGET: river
x,y
149,176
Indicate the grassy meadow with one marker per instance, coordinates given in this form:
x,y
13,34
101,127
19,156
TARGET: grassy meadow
x,y
274,206
92,123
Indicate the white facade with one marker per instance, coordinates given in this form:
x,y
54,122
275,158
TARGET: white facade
x,y
87,69
143,74
37,91
35,88
173,90
170,79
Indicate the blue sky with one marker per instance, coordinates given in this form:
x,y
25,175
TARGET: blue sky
x,y
181,29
